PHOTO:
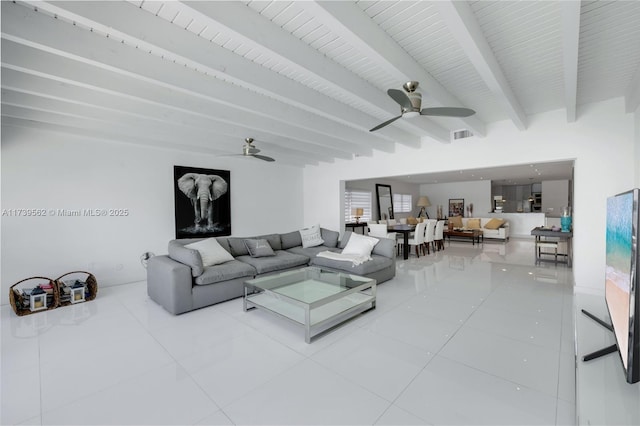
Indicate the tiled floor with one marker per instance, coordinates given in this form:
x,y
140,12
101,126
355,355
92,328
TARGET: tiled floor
x,y
470,335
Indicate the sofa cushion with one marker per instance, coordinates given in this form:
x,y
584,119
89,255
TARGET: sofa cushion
x,y
330,237
224,272
258,247
274,240
282,260
224,243
376,263
345,239
473,223
494,223
237,246
311,252
456,220
290,240
189,257
211,252
386,247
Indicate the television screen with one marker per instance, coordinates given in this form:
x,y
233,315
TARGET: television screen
x,y
621,278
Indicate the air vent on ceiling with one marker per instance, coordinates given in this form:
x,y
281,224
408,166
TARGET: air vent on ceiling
x,y
460,134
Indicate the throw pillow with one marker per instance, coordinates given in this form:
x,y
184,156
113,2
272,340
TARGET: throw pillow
x,y
211,252
494,223
311,237
330,237
456,220
360,245
259,248
473,223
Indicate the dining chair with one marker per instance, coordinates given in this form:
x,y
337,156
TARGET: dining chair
x,y
429,235
378,230
403,221
439,235
417,239
392,222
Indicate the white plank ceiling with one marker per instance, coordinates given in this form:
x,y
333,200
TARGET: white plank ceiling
x,y
307,80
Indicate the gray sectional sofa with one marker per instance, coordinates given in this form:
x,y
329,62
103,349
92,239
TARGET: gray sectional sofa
x,y
180,283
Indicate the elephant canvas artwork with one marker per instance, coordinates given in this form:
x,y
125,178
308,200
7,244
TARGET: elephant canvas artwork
x,y
202,202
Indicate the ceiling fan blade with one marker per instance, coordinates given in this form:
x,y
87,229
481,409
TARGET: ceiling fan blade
x,y
380,126
447,112
264,157
400,97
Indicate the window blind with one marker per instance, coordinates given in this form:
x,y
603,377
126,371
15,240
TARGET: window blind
x,y
357,199
402,203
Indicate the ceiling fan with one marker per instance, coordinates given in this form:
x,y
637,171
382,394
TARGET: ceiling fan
x,y
411,102
249,150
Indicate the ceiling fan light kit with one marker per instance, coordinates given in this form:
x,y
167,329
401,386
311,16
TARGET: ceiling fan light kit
x,y
249,150
411,104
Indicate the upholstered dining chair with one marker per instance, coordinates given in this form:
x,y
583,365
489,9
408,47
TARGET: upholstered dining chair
x,y
380,231
403,220
429,235
439,235
417,239
392,222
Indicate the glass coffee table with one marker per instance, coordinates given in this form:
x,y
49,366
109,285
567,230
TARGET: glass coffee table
x,y
311,297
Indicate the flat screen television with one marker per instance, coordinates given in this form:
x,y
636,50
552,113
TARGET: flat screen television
x,y
622,278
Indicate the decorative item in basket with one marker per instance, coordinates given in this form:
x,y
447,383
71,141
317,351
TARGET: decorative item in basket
x,y
39,294
76,290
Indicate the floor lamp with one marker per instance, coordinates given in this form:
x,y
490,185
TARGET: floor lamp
x,y
423,203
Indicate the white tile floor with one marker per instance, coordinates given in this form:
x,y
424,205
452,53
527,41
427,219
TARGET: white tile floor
x,y
470,335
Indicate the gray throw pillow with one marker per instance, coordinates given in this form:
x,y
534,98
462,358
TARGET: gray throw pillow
x,y
258,248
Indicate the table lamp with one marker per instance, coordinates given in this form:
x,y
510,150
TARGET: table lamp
x,y
423,203
358,213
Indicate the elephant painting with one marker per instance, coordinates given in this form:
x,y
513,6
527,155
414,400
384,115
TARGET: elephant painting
x,y
203,190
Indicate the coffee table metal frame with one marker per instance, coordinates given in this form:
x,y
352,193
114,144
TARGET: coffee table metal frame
x,y
311,297
476,235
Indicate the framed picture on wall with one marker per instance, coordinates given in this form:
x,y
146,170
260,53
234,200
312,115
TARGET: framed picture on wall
x,y
202,202
456,207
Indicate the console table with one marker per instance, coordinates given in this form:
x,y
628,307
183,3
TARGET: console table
x,y
540,232
354,226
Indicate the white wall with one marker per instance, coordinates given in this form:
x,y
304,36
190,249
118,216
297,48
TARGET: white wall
x,y
601,141
397,187
52,171
555,196
478,193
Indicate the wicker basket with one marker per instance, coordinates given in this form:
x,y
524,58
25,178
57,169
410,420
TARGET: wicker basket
x,y
17,299
92,286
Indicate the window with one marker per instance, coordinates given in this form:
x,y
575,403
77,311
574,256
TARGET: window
x,y
402,203
357,199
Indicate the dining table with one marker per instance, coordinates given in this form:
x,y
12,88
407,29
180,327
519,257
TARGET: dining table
x,y
405,230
